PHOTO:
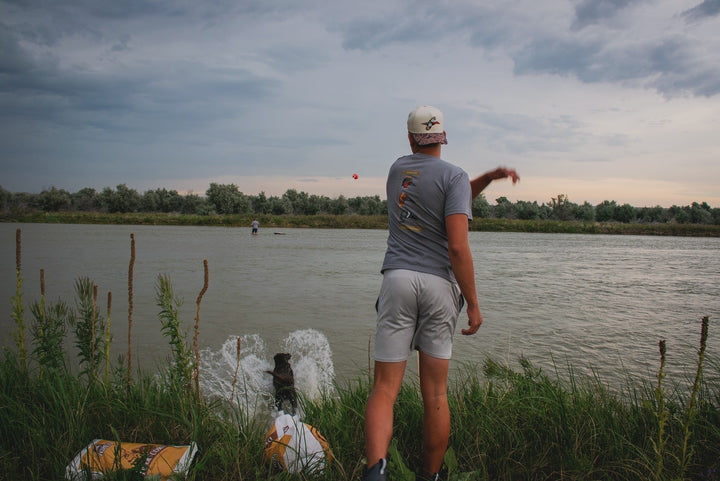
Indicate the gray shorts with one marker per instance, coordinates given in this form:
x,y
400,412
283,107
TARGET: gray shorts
x,y
415,310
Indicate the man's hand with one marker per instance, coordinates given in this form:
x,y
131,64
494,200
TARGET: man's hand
x,y
478,184
503,172
474,321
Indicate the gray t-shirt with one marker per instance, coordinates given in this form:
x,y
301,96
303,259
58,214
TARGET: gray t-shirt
x,y
422,190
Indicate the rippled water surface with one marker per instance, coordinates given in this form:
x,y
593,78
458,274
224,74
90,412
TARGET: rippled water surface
x,y
596,302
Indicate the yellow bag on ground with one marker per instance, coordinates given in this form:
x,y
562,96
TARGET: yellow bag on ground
x,y
102,456
294,446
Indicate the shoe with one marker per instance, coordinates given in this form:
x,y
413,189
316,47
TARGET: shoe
x,y
432,477
377,472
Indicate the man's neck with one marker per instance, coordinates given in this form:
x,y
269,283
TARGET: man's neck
x,y
434,150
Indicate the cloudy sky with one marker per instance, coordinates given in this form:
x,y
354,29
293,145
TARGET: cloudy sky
x,y
595,99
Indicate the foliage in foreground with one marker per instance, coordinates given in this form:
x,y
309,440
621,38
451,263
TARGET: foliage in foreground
x,y
506,425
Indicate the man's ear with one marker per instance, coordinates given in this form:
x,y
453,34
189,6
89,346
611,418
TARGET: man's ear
x,y
413,145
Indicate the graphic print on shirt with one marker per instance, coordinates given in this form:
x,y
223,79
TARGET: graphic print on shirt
x,y
408,220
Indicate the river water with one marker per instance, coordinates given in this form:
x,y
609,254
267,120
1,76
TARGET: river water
x,y
598,303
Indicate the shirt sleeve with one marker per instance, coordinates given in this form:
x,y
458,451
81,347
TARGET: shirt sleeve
x,y
458,199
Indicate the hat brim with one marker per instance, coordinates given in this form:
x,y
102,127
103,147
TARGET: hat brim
x,y
427,139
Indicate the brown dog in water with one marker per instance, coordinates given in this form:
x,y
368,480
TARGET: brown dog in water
x,y
284,382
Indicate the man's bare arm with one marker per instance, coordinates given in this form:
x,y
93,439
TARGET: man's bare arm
x,y
478,184
462,266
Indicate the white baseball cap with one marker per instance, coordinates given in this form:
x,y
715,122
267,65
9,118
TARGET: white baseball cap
x,y
427,125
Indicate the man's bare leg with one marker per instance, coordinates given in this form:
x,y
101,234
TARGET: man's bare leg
x,y
379,409
436,415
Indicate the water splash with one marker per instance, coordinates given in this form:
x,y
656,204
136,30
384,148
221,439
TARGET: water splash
x,y
311,361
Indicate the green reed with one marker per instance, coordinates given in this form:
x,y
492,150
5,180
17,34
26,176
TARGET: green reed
x,y
182,365
88,326
691,410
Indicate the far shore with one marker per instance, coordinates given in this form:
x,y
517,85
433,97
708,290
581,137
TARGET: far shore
x,y
327,221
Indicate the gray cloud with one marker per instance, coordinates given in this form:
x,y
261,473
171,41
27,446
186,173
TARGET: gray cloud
x,y
708,8
95,89
591,12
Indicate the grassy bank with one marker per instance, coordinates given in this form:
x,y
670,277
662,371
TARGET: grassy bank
x,y
506,425
522,424
359,222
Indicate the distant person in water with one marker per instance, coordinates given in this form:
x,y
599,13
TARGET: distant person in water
x,y
255,224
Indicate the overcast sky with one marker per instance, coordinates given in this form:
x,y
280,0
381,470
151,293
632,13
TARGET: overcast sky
x,y
595,99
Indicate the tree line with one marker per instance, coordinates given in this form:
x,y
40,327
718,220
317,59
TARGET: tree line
x,y
222,199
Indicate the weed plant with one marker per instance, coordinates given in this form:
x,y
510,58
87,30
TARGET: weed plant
x,y
507,424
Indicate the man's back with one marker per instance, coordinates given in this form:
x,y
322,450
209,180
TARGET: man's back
x,y
422,190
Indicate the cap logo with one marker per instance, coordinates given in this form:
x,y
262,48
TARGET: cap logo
x,y
430,123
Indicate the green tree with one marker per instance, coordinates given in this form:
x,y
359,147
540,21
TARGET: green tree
x,y
123,199
652,214
700,213
585,212
150,202
298,201
504,209
54,200
605,211
339,206
5,196
225,198
194,204
562,208
84,200
624,213
24,201
260,203
281,205
481,207
527,210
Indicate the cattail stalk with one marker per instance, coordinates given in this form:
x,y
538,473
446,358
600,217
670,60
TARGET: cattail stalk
x,y
17,313
130,310
93,322
196,370
237,368
108,339
661,414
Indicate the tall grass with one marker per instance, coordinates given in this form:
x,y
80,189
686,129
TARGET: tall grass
x,y
508,424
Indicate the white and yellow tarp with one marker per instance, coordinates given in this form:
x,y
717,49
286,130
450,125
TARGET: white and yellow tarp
x,y
156,461
294,446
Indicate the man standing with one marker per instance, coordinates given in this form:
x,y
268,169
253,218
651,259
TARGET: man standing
x,y
255,224
427,276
